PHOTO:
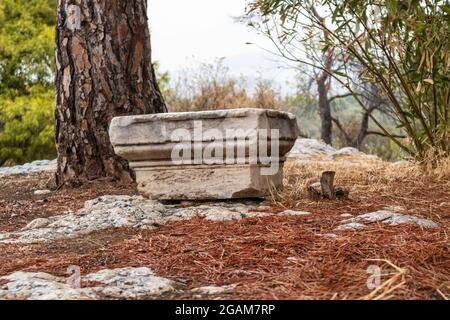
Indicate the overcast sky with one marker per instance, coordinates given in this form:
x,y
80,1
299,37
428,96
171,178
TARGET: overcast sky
x,y
205,30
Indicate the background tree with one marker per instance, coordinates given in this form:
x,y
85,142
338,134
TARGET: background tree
x,y
209,86
403,48
27,103
103,70
313,52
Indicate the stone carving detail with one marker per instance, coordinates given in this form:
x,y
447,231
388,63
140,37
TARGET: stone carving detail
x,y
219,154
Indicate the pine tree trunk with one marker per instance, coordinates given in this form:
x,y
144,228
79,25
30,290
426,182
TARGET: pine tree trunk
x,y
103,61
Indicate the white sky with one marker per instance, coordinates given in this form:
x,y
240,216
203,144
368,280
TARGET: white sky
x,y
204,30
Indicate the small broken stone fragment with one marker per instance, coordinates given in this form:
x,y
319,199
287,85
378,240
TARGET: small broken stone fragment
x,y
295,213
393,219
124,283
386,217
346,215
325,189
41,192
123,211
351,226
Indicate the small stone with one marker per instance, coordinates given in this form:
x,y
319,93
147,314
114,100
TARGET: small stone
x,y
41,192
220,214
117,212
37,223
27,168
308,148
351,226
295,213
346,215
256,214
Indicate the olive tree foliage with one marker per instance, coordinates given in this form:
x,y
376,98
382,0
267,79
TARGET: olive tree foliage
x,y
401,47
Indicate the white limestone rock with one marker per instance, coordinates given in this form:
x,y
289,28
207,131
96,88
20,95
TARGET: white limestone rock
x,y
130,283
312,149
41,192
295,213
387,217
40,286
122,283
306,148
346,215
27,168
393,219
347,151
351,226
123,211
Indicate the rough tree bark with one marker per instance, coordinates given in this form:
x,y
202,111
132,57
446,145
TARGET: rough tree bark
x,y
103,70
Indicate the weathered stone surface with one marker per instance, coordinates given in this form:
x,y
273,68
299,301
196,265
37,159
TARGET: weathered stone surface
x,y
295,213
346,215
387,217
307,148
41,192
32,167
311,149
393,219
124,211
216,149
122,283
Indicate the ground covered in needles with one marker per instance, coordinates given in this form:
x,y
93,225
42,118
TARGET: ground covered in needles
x,y
261,256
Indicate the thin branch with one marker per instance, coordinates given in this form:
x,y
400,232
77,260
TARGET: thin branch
x,y
399,136
341,128
341,96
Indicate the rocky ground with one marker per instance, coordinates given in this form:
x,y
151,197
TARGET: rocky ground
x,y
124,246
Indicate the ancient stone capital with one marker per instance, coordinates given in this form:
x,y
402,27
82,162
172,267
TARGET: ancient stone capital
x,y
220,154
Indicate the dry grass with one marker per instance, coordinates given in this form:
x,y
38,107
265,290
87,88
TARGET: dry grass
x,y
372,183
438,166
210,87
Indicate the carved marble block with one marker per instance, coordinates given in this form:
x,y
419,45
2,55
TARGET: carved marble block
x,y
221,154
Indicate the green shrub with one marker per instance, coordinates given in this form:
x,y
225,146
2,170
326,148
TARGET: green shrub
x,y
27,127
27,32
